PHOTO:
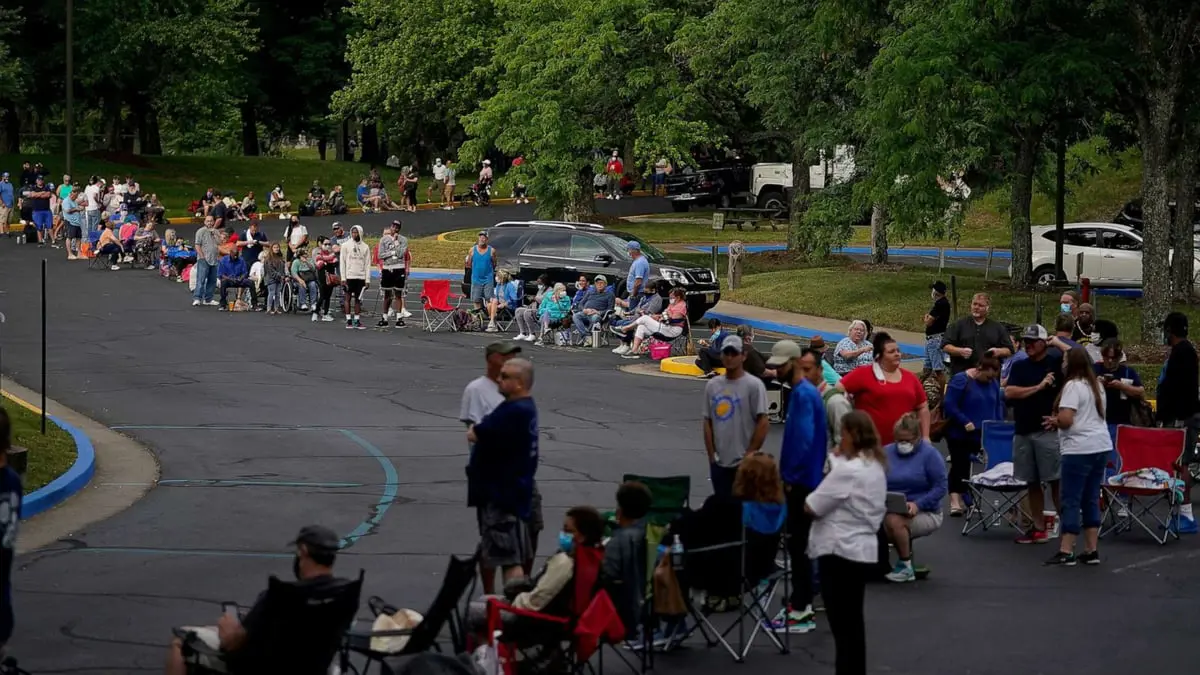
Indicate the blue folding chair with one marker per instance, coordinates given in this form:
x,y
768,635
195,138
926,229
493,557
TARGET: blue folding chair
x,y
994,505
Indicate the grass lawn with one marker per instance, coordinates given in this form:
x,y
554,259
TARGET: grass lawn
x,y
49,455
180,179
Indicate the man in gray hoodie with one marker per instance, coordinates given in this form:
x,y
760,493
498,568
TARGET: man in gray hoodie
x,y
355,262
394,259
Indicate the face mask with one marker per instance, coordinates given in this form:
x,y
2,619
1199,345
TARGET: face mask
x,y
904,448
566,542
541,286
1065,308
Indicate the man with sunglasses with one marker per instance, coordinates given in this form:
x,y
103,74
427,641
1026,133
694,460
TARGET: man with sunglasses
x,y
735,416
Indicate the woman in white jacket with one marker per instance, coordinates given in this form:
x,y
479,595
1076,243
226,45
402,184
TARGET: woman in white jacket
x,y
847,509
355,271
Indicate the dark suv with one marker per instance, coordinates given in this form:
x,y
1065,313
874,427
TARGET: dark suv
x,y
718,186
564,251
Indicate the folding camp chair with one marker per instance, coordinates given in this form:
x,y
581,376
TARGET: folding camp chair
x,y
1004,506
302,629
669,496
436,310
448,608
764,531
1146,448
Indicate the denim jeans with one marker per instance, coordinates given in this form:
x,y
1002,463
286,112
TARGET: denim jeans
x,y
273,295
1081,478
308,293
584,322
206,280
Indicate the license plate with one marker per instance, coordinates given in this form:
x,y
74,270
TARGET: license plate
x,y
710,297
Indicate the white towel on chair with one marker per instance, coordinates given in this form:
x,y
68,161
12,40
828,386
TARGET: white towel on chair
x,y
998,476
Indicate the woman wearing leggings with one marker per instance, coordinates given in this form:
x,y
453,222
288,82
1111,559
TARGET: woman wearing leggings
x,y
327,265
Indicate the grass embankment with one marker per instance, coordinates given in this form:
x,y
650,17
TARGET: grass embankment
x,y
178,180
49,455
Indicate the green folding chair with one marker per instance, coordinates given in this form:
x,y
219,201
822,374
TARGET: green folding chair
x,y
669,496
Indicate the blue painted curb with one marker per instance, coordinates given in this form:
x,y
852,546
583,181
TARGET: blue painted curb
x,y
72,481
798,331
863,250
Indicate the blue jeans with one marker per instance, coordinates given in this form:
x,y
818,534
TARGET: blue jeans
x,y
206,280
933,353
584,322
308,293
273,295
1081,478
722,478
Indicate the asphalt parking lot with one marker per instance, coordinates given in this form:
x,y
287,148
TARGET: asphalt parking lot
x,y
264,424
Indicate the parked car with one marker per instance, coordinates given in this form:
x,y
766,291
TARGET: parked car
x,y
719,186
563,251
1112,254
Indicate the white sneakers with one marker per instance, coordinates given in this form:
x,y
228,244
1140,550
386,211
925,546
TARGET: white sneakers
x,y
195,303
314,317
491,328
405,314
525,338
621,350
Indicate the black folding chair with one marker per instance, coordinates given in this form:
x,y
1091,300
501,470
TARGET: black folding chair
x,y
447,608
301,629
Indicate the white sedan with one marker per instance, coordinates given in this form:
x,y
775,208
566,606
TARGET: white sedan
x,y
1112,254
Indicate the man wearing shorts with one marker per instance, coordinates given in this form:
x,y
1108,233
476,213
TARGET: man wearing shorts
x,y
1032,388
500,475
355,270
394,262
91,208
38,196
73,215
448,190
7,201
482,263
439,181
936,321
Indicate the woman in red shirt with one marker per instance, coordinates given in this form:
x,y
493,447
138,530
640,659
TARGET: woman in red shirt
x,y
885,391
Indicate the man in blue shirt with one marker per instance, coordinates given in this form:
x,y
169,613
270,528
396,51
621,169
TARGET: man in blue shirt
x,y
500,474
639,271
481,260
598,301
233,273
38,196
10,515
802,465
7,201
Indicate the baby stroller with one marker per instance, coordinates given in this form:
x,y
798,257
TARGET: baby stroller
x,y
480,194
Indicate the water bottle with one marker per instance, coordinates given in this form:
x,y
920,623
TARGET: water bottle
x,y
677,553
596,336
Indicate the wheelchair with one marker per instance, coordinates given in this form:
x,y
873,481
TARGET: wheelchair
x,y
289,296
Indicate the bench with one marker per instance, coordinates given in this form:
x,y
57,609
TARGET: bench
x,y
748,218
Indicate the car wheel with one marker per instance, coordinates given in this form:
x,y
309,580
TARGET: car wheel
x,y
1044,276
679,207
696,313
773,200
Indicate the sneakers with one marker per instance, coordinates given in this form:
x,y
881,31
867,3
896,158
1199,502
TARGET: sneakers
x,y
631,355
902,572
327,318
1062,559
791,621
1180,524
115,268
400,323
358,324
405,314
349,324
303,307
491,328
616,331
383,323
622,349
212,303
195,303
314,317
1092,558
1034,537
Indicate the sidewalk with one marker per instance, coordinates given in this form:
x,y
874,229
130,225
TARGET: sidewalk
x,y
805,325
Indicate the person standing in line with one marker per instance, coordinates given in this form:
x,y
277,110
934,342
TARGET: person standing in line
x,y
355,271
448,191
613,172
411,178
936,321
11,500
394,260
802,465
73,215
208,255
1086,445
501,473
735,416
38,196
639,269
92,208
974,397
812,364
482,263
1032,388
7,202
971,337
296,236
847,510
1179,405
439,182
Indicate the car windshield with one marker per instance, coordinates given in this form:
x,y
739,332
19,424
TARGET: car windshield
x,y
618,243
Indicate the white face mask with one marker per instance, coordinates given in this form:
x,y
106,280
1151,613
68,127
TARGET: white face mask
x,y
1065,308
904,448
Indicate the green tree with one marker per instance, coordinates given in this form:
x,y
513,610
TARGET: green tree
x,y
576,77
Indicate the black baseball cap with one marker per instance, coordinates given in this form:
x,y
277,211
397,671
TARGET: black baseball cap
x,y
939,286
317,537
504,348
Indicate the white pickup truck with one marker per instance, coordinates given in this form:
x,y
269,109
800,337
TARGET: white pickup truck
x,y
771,184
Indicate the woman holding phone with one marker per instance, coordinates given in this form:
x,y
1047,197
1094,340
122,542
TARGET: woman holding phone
x,y
1122,386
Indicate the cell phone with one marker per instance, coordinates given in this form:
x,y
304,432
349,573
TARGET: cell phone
x,y
230,609
1107,378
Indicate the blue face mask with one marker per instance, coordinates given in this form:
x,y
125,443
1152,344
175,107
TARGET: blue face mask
x,y
1066,308
566,542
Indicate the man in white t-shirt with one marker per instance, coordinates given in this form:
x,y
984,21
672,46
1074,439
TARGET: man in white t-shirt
x,y
297,237
92,207
439,181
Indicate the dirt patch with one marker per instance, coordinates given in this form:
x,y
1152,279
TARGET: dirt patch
x,y
1154,354
120,157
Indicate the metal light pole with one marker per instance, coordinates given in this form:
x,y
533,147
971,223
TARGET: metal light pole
x,y
70,87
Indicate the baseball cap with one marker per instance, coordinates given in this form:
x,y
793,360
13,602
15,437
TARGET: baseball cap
x,y
4,175
336,225
634,246
816,342
317,537
601,277
504,348
734,343
782,352
939,286
482,233
1034,332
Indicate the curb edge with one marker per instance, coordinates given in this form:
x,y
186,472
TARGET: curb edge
x,y
71,481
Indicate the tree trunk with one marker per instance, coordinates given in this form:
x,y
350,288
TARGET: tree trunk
x,y
801,189
1020,205
112,123
339,148
1186,165
10,130
249,130
879,241
322,146
1154,126
370,142
579,203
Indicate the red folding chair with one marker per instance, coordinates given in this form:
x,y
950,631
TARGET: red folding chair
x,y
1146,448
436,310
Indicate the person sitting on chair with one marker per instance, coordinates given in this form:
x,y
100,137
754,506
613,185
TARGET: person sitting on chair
x,y
915,469
596,303
623,572
233,273
669,324
337,201
527,316
649,303
555,307
110,245
710,357
316,551
277,201
506,295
